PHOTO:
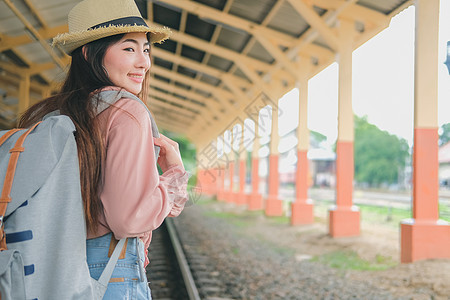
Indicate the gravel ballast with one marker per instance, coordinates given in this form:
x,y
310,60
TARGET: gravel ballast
x,y
250,265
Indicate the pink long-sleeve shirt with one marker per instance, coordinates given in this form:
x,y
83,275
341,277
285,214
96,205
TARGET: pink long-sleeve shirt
x,y
136,199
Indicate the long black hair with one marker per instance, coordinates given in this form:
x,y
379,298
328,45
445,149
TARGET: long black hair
x,y
86,75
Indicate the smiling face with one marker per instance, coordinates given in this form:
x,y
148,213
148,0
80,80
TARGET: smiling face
x,y
127,61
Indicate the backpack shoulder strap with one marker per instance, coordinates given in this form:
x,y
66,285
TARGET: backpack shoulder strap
x,y
109,97
107,272
5,197
7,135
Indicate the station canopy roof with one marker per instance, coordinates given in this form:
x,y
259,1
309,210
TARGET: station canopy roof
x,y
220,54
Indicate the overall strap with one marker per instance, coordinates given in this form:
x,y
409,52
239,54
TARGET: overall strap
x,y
5,197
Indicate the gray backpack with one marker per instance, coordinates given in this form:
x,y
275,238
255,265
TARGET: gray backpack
x,y
43,233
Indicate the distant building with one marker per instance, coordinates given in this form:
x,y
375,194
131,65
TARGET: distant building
x,y
444,165
322,167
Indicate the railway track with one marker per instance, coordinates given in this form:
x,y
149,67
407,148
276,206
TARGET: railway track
x,y
163,272
178,270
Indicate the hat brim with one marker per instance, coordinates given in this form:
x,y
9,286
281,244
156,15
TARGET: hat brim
x,y
71,41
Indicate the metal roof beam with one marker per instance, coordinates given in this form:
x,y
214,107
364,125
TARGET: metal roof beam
x,y
169,123
36,34
218,50
192,64
221,94
37,87
186,104
9,42
355,11
29,63
166,125
240,96
309,36
206,113
210,103
208,13
250,27
169,108
316,22
38,68
171,116
275,52
32,70
36,13
272,13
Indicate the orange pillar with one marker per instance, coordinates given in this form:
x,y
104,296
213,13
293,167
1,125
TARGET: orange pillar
x,y
213,182
199,183
235,151
200,165
210,179
221,165
344,217
274,206
425,236
229,193
234,166
255,200
241,197
221,183
205,181
302,210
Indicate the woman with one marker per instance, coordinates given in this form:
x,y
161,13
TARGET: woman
x,y
124,197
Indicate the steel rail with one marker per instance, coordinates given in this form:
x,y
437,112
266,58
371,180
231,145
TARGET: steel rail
x,y
182,262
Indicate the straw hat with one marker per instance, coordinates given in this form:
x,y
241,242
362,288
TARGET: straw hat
x,y
91,20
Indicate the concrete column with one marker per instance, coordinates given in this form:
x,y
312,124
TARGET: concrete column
x,y
228,193
199,168
221,165
231,164
344,217
221,182
200,185
24,94
206,175
274,206
215,186
241,197
302,210
255,200
425,236
237,141
210,179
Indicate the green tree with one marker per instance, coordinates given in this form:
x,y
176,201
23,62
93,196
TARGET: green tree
x,y
444,134
316,138
187,150
378,154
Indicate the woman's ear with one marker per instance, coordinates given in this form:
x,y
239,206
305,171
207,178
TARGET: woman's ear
x,y
84,51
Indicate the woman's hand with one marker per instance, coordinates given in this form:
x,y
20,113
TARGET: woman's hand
x,y
169,154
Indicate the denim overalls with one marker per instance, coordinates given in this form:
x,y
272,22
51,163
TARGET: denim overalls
x,y
129,280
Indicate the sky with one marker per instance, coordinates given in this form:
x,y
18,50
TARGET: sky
x,y
383,82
